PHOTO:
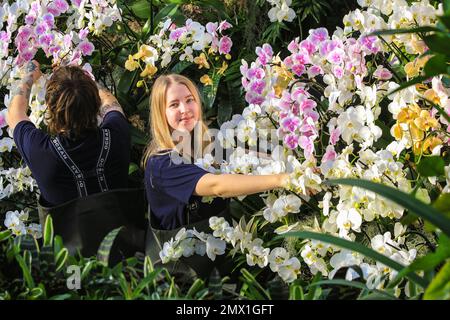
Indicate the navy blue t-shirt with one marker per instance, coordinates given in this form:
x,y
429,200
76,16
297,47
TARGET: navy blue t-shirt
x,y
54,179
170,186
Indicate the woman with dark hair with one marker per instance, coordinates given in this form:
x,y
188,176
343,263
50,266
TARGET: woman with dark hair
x,y
77,162
76,157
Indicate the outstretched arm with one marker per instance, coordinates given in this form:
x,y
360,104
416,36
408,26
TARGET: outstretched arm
x,y
20,95
109,102
233,185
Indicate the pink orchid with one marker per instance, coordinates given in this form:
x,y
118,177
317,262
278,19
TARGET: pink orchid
x,y
83,33
265,53
258,86
338,72
334,135
290,124
291,141
224,25
314,71
40,29
62,5
53,9
318,35
382,73
176,34
211,28
308,46
293,46
307,144
76,3
86,47
225,45
330,154
298,69
49,20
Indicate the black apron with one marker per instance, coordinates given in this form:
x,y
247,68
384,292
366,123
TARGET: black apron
x,y
198,265
84,222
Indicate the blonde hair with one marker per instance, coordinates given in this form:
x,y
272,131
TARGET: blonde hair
x,y
161,138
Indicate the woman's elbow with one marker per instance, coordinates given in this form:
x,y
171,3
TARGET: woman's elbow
x,y
210,185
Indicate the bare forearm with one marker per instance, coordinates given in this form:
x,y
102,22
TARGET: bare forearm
x,y
20,97
233,185
108,101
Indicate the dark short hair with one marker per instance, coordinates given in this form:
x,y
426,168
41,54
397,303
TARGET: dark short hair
x,y
73,102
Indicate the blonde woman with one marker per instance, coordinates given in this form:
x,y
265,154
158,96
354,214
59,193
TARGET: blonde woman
x,y
174,190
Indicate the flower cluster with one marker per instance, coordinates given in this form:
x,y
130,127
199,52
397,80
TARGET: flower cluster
x,y
15,221
192,43
240,238
281,11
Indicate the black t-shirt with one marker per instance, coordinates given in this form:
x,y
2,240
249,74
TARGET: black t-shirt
x,y
170,186
54,179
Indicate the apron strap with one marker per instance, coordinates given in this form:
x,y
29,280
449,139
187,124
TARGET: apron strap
x,y
76,172
106,144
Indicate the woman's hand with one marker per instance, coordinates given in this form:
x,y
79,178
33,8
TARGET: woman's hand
x,y
33,73
284,180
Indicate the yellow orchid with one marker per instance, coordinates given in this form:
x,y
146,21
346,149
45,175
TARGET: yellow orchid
x,y
206,80
414,67
284,76
202,61
431,95
149,71
131,64
427,145
425,121
222,69
145,51
430,143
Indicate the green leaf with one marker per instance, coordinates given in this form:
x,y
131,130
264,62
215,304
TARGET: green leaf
x,y
166,12
313,289
137,136
209,92
126,81
438,42
442,204
405,200
433,166
354,284
133,167
403,30
48,231
296,292
445,20
254,284
61,259
5,235
180,66
439,288
436,65
145,282
446,5
141,9
196,287
29,281
354,246
105,247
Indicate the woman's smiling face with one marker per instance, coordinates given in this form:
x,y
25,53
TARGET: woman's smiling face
x,y
182,110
